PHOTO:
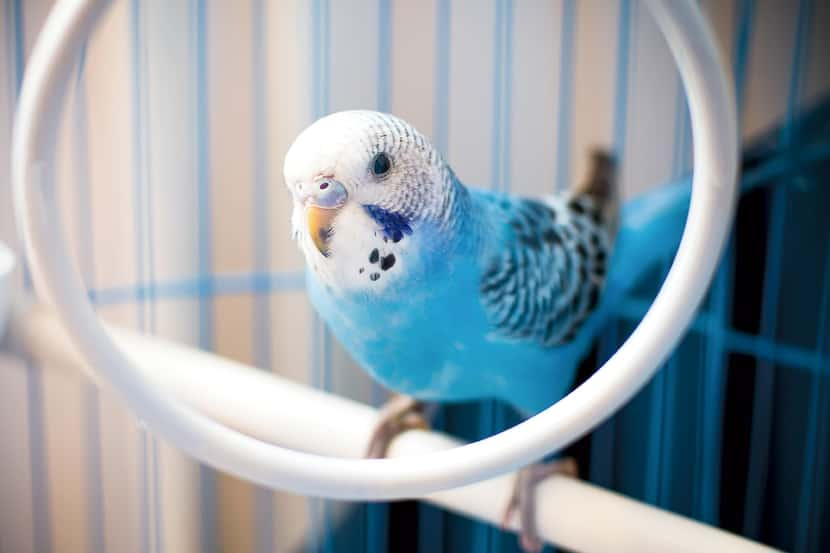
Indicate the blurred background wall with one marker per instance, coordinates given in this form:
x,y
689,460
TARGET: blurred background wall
x,y
170,154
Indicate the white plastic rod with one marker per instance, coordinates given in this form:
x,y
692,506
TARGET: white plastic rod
x,y
571,513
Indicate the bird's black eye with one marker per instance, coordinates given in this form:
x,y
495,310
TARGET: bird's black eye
x,y
381,164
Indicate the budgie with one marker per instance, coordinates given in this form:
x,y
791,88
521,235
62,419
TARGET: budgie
x,y
445,292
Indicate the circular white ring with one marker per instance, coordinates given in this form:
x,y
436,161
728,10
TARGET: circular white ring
x,y
712,108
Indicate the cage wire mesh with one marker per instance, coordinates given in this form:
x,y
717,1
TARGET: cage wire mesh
x,y
170,153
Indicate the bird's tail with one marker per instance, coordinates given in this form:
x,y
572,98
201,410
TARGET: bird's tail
x,y
601,184
649,232
602,177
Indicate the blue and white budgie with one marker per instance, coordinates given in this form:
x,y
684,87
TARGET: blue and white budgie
x,y
444,292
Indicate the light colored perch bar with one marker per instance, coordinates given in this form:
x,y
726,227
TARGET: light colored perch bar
x,y
572,513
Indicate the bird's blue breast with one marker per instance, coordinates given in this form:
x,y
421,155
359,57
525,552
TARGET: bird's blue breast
x,y
427,335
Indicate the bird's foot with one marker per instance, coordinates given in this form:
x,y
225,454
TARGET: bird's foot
x,y
523,499
399,414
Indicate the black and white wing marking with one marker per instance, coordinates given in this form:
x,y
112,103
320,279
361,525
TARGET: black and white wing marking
x,y
548,277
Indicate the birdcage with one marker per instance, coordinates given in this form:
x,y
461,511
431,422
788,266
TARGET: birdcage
x,y
168,168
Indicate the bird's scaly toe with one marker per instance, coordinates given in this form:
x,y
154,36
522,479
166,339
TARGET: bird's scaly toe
x,y
523,498
399,414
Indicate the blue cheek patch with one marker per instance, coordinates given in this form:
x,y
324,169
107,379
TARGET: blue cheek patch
x,y
394,225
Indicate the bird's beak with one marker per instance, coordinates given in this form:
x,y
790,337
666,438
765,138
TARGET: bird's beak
x,y
319,225
322,205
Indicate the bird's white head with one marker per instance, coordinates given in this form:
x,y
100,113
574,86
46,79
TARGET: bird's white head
x,y
365,184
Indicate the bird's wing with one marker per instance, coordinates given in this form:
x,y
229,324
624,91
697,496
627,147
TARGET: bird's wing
x,y
545,277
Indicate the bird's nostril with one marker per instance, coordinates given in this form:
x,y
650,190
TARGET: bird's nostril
x,y
324,185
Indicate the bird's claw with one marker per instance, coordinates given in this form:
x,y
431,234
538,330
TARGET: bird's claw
x,y
523,499
399,414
